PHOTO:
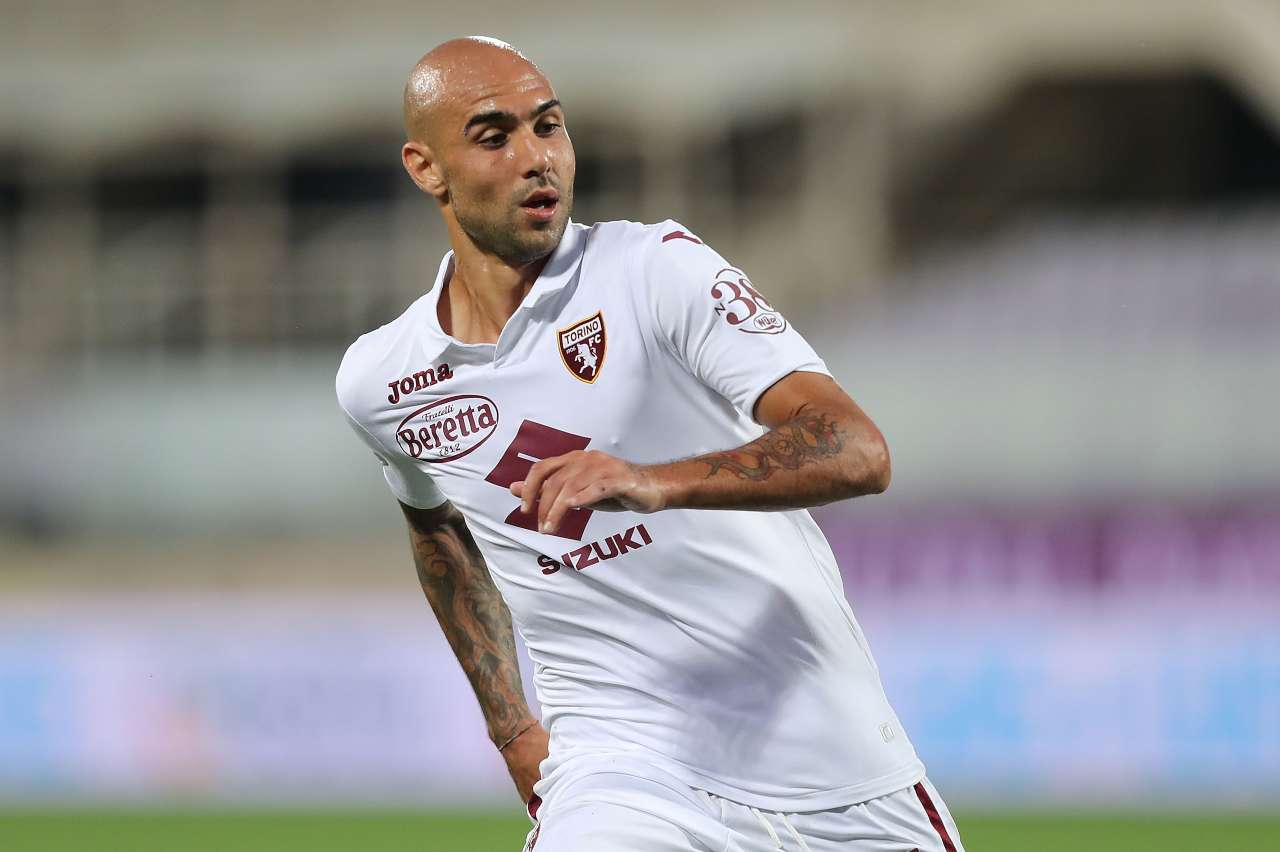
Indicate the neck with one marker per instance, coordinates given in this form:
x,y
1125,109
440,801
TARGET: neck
x,y
483,291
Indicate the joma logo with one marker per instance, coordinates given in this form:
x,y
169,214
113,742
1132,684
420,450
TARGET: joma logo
x,y
401,388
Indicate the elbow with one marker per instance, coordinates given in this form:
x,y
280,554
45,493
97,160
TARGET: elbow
x,y
878,471
882,468
867,471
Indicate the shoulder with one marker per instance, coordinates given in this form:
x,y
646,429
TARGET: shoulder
x,y
360,382
654,253
627,236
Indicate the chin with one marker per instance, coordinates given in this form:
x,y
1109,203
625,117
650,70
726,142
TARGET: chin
x,y
546,236
535,246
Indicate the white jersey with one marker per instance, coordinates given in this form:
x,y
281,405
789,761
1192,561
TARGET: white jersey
x,y
716,645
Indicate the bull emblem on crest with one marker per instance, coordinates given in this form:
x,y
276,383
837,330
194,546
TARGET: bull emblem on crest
x,y
582,347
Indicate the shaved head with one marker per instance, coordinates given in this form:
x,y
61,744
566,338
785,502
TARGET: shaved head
x,y
486,139
452,68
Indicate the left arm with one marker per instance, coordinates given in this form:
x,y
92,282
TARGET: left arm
x,y
820,447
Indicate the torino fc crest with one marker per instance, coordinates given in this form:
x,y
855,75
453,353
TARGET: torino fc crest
x,y
582,347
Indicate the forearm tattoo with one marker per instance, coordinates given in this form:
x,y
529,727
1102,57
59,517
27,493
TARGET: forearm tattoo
x,y
473,616
803,440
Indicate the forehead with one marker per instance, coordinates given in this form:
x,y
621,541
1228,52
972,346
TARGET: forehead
x,y
517,88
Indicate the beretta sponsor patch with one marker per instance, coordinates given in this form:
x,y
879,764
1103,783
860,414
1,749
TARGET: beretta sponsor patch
x,y
448,429
582,347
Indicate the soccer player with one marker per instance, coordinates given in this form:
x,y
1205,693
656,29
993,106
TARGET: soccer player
x,y
609,435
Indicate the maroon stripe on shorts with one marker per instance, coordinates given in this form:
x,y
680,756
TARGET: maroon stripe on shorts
x,y
934,817
535,802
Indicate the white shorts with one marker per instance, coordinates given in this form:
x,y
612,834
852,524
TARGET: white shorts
x,y
625,812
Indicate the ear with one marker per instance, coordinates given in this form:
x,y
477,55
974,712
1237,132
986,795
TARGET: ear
x,y
423,167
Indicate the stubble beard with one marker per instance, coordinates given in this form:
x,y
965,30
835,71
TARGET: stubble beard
x,y
509,238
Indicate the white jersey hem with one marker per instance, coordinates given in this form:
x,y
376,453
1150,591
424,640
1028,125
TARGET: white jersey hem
x,y
821,800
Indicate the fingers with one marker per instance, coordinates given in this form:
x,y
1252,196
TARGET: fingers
x,y
576,480
575,496
529,490
549,499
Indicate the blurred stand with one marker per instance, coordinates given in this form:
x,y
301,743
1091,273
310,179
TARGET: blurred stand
x,y
1040,244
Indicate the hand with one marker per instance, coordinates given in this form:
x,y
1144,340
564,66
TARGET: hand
x,y
524,755
586,479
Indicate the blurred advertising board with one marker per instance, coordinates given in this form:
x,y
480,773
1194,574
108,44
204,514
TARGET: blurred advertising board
x,y
1088,659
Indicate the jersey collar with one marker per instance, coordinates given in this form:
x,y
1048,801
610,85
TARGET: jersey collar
x,y
558,272
562,266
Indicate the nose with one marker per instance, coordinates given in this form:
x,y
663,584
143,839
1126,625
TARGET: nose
x,y
535,154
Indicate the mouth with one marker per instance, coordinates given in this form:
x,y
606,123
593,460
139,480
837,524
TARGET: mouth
x,y
541,205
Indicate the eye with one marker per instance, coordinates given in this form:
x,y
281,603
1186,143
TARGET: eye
x,y
548,127
494,140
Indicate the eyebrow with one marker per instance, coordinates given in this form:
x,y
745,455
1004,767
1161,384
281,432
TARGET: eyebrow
x,y
497,115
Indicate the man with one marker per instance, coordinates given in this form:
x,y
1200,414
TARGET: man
x,y
576,395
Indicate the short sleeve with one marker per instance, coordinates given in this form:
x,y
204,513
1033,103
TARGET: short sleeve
x,y
717,322
410,485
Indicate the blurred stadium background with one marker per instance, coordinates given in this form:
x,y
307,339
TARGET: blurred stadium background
x,y
1040,242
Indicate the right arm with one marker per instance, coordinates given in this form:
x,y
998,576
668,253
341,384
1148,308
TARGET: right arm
x,y
477,624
